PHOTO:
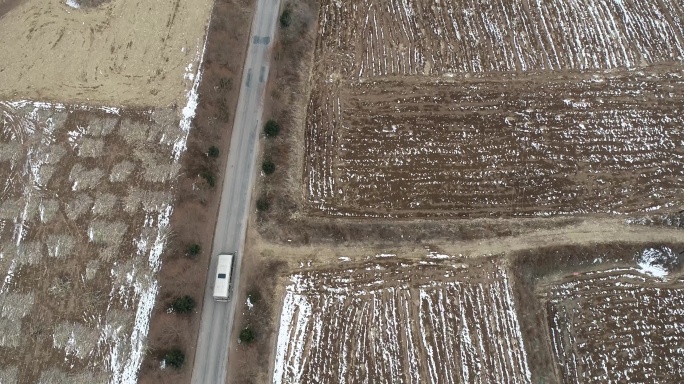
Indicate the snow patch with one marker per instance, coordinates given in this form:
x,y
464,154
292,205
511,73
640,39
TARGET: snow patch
x,y
380,255
435,255
188,112
654,262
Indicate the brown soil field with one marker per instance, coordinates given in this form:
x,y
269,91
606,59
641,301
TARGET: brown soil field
x,y
365,39
422,316
534,132
322,112
400,321
599,315
505,146
120,52
494,110
533,261
345,308
595,314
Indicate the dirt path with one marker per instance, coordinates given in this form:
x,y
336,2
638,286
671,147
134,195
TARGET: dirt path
x,y
590,231
585,233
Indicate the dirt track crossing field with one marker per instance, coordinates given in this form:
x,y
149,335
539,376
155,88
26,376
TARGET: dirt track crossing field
x,y
488,111
408,322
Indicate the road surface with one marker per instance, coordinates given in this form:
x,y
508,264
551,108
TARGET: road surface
x,y
211,357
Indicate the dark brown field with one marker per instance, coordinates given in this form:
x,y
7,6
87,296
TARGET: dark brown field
x,y
442,110
365,39
487,112
605,313
617,326
519,147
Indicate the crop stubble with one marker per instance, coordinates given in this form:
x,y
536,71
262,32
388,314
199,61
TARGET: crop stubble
x,y
499,109
366,39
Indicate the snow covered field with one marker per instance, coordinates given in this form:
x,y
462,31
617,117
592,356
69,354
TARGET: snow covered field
x,y
432,321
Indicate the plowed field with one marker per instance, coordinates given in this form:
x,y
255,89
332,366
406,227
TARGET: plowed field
x,y
368,38
496,109
617,326
401,322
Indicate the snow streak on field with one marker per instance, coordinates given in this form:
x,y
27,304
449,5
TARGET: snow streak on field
x,y
369,38
617,326
609,144
428,322
84,215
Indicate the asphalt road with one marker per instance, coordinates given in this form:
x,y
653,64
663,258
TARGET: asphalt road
x,y
211,357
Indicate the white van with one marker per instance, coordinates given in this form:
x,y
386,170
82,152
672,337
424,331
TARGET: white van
x,y
224,276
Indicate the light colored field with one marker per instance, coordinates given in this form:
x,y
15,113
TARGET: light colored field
x,y
84,214
124,52
405,322
619,325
